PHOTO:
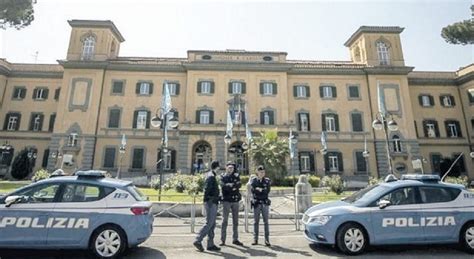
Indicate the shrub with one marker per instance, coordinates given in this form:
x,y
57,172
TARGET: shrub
x,y
374,180
244,179
155,183
40,175
314,180
193,184
463,180
21,166
335,183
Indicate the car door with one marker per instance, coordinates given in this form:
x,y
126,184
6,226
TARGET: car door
x,y
441,215
398,222
26,224
80,206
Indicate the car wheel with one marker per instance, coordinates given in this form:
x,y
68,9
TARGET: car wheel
x,y
467,238
351,239
108,242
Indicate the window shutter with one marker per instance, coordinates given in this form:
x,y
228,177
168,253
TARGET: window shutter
x,y
230,88
309,121
272,117
211,117
199,90
135,116
148,114
321,91
5,124
262,118
109,158
173,160
458,127
52,119
137,158
295,89
244,88
41,122
275,88
261,88
114,118
198,117
177,88
453,103
336,121
242,117
441,97
425,128
340,162
32,121
447,128
308,92
46,93
299,121
326,162
57,92
312,166
158,159
19,120
299,161
212,87
151,89
323,122
334,91
356,122
420,100
436,128
23,93
34,92
15,93
137,88
360,161
44,164
431,100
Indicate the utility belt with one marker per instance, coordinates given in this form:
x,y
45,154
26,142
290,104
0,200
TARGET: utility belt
x,y
255,203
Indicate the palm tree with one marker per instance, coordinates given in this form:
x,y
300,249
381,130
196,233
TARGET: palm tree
x,y
270,151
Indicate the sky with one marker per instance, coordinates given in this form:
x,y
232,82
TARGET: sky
x,y
306,30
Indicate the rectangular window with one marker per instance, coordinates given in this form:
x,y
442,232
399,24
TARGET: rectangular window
x,y
36,122
72,140
40,93
430,129
109,157
142,119
172,88
12,122
360,162
354,91
301,91
114,118
304,123
206,87
330,123
333,163
52,120
117,87
19,93
266,118
327,92
426,100
447,101
357,122
144,88
452,130
236,87
267,88
138,157
167,159
470,95
305,163
204,117
57,93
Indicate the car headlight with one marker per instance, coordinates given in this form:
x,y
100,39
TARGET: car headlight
x,y
319,220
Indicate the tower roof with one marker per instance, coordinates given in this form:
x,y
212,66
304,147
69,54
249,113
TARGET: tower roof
x,y
372,29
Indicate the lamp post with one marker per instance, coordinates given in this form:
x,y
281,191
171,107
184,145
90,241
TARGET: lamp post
x,y
366,155
123,144
381,123
164,119
6,155
292,141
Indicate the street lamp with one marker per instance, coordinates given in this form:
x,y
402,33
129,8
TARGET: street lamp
x,y
292,141
164,119
123,144
32,155
381,123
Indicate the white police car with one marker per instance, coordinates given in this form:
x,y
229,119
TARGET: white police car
x,y
415,210
82,211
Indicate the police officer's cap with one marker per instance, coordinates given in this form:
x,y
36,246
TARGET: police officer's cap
x,y
260,168
230,163
215,164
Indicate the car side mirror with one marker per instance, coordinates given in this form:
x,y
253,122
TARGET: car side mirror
x,y
384,203
12,200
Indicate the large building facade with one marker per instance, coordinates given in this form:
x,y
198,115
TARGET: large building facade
x,y
73,115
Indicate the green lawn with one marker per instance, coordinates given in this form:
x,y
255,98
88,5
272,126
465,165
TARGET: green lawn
x,y
7,186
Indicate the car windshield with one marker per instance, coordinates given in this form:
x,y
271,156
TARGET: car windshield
x,y
137,194
366,194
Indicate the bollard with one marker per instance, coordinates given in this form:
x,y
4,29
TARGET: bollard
x,y
248,194
193,214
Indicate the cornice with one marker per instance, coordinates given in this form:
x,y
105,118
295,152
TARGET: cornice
x,y
83,64
146,68
388,70
36,74
431,81
465,78
238,66
372,29
97,24
326,71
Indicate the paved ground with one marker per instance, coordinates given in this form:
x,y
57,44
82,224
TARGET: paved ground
x,y
173,239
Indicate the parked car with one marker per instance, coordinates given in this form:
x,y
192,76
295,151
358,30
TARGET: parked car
x,y
419,209
85,211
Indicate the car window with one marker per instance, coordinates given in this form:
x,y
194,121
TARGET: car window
x,y
136,193
80,193
433,194
39,194
401,196
367,194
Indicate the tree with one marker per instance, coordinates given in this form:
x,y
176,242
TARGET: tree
x,y
16,13
459,32
270,151
21,166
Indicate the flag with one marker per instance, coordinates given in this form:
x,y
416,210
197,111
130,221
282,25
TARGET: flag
x,y
381,99
248,132
365,143
324,140
290,145
166,102
124,140
229,124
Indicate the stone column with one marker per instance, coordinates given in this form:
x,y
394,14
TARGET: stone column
x,y
303,194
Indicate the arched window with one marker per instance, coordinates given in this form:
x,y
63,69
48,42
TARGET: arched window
x,y
397,144
382,51
88,48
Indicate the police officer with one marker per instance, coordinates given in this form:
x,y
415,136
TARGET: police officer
x,y
211,199
260,189
230,185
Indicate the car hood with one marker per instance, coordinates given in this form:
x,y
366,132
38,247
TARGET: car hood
x,y
330,208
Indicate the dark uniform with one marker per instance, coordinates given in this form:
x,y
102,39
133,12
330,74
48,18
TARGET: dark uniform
x,y
230,185
211,199
261,203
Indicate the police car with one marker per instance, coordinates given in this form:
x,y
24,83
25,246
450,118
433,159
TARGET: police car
x,y
418,209
85,211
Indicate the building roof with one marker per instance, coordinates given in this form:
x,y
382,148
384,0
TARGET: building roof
x,y
372,29
98,24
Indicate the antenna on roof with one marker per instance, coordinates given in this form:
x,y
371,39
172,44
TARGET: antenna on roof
x,y
36,56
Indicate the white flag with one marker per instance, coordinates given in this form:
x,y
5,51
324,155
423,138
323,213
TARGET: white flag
x,y
229,124
290,145
166,102
248,132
